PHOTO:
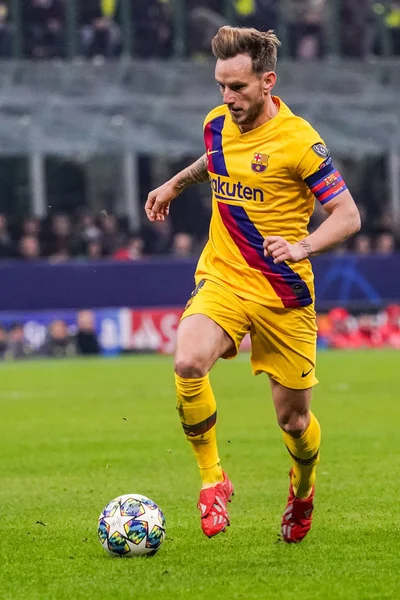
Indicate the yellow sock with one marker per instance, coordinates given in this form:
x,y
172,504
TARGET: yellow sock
x,y
305,456
198,414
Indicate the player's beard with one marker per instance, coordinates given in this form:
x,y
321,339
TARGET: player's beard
x,y
251,114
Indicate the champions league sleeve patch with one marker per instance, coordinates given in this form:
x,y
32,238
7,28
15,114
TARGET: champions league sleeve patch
x,y
321,150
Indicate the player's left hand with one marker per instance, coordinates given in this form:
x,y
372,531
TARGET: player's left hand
x,y
280,250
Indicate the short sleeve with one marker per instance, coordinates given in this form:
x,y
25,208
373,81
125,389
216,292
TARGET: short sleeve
x,y
314,156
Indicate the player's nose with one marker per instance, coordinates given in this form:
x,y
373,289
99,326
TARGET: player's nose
x,y
229,98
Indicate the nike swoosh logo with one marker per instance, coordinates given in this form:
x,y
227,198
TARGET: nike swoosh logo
x,y
211,152
308,372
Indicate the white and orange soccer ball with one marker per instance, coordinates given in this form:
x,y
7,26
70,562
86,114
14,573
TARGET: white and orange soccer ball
x,y
131,525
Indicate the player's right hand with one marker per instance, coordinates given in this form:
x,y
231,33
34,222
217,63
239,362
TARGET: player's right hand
x,y
158,201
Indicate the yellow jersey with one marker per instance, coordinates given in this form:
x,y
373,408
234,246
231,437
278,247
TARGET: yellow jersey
x,y
263,183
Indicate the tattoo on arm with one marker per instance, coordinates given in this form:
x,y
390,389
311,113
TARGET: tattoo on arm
x,y
195,173
306,247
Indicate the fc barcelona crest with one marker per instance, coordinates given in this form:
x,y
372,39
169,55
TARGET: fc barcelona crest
x,y
330,181
259,164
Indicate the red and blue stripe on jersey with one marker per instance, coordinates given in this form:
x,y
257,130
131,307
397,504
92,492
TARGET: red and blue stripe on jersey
x,y
214,149
326,183
287,284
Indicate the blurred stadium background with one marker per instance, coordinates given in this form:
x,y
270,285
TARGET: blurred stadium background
x,y
102,100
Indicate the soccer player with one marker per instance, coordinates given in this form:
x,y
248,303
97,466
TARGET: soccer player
x,y
265,166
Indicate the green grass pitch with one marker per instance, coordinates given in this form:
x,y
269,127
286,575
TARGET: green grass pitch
x,y
75,434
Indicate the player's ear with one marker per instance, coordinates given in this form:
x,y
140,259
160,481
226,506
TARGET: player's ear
x,y
269,80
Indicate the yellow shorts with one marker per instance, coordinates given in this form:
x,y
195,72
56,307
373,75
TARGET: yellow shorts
x,y
283,340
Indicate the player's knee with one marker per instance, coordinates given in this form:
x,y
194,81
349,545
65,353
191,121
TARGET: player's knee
x,y
294,424
190,367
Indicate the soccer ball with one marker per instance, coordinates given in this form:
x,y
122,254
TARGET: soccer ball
x,y
131,525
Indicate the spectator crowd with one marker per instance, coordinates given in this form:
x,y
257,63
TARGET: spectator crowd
x,y
83,236
61,237
366,27
57,340
339,329
61,338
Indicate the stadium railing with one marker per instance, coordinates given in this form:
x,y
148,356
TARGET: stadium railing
x,y
109,308
356,282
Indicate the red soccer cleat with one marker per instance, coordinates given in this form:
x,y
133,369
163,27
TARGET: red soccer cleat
x,y
297,518
212,505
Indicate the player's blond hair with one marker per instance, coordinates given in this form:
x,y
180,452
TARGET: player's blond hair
x,y
262,47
